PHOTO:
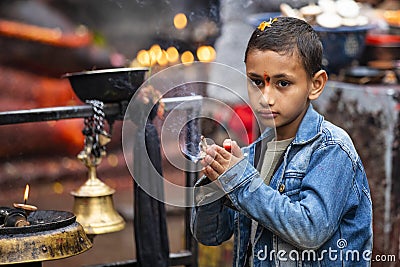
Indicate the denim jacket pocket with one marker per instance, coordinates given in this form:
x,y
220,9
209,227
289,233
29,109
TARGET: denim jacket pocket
x,y
291,185
287,255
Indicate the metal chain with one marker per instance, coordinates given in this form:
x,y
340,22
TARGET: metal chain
x,y
97,126
95,136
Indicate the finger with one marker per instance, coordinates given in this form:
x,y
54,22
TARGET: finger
x,y
210,173
218,158
208,159
221,153
203,163
215,165
235,149
146,100
211,150
214,151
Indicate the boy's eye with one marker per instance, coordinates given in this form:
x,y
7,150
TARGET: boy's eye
x,y
257,82
283,83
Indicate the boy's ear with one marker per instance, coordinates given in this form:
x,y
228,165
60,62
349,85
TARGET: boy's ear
x,y
317,84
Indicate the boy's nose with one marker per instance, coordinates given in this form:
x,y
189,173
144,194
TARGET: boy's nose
x,y
267,97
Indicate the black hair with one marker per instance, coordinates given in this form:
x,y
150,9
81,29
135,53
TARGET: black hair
x,y
287,35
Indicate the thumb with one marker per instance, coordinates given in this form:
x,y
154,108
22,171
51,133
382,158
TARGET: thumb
x,y
233,147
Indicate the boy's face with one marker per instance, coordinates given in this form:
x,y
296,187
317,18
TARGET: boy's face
x,y
280,95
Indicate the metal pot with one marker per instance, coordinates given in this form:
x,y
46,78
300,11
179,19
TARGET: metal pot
x,y
107,85
381,47
343,46
363,75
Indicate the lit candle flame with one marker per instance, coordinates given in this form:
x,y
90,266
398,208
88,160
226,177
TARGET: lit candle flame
x,y
27,208
26,194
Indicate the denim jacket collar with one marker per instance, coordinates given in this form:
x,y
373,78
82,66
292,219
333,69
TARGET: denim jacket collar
x,y
308,129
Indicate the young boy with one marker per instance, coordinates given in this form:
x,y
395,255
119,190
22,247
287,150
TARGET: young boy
x,y
313,205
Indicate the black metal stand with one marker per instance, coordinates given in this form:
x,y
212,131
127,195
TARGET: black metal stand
x,y
113,111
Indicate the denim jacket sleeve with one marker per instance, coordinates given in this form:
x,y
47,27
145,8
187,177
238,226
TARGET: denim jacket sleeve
x,y
211,221
308,222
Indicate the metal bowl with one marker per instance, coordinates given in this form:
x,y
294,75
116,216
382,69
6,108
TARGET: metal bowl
x,y
107,85
343,46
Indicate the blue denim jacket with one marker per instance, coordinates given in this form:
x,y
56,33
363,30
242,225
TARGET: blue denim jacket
x,y
317,210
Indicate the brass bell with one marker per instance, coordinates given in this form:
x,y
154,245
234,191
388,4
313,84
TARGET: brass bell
x,y
94,207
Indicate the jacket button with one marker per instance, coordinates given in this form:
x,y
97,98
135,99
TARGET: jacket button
x,y
281,188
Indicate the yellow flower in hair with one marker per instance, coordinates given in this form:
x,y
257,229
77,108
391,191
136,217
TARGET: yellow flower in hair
x,y
262,25
265,24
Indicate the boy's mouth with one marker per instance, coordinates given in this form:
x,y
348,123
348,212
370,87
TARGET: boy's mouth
x,y
267,114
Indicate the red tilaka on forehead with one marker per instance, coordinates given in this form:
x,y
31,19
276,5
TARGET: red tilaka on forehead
x,y
266,78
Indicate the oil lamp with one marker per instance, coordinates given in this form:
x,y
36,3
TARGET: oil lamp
x,y
30,236
49,235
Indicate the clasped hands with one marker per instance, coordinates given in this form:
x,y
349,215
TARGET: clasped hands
x,y
219,159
